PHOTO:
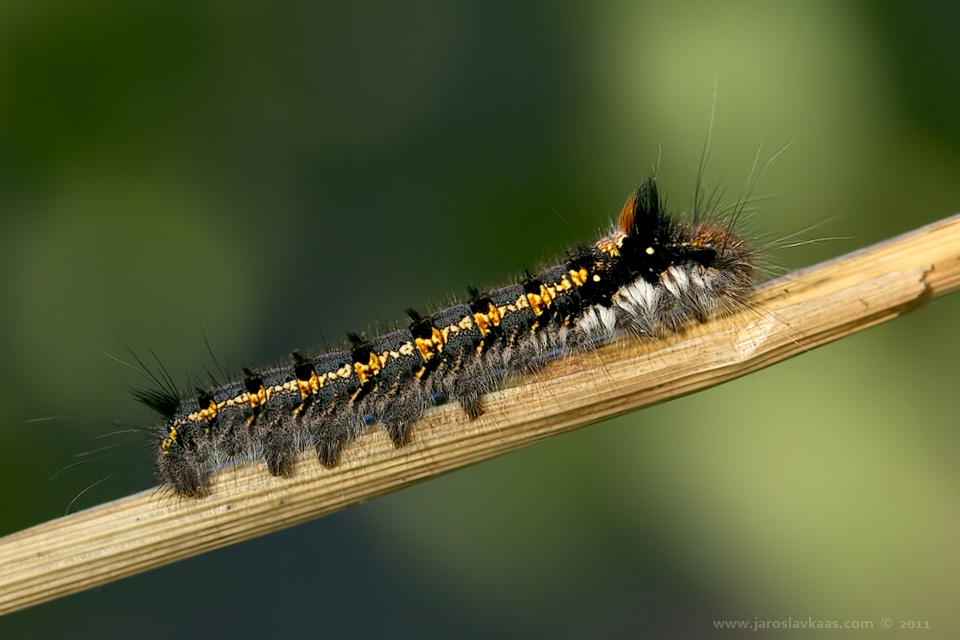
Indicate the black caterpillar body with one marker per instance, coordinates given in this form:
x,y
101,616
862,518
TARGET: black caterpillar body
x,y
650,277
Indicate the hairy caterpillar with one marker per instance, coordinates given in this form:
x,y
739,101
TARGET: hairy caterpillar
x,y
651,276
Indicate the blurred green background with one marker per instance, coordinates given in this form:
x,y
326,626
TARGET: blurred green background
x,y
271,173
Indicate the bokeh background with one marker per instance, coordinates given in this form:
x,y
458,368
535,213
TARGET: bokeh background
x,y
272,175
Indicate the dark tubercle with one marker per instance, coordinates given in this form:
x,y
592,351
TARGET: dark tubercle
x,y
159,400
449,341
328,415
642,216
650,246
396,398
274,422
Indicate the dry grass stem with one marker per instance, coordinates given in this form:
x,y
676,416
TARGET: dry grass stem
x,y
790,315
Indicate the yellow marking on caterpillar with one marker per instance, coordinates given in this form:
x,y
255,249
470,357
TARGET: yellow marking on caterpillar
x,y
309,386
611,246
517,305
487,321
405,350
579,276
203,414
430,347
258,398
538,302
172,436
546,298
563,285
367,371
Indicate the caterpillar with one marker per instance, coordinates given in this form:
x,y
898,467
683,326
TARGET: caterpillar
x,y
650,276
